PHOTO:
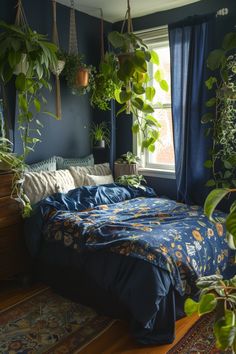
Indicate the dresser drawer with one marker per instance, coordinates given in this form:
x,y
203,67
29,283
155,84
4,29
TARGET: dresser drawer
x,y
5,184
14,258
9,212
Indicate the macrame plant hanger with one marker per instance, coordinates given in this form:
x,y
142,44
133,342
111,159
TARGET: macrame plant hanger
x,y
21,19
60,64
102,37
73,42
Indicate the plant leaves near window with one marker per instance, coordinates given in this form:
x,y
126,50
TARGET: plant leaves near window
x,y
164,85
155,57
211,102
229,41
150,93
215,59
210,82
213,199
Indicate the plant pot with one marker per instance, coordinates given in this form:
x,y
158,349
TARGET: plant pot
x,y
100,144
123,57
121,169
23,65
58,68
82,77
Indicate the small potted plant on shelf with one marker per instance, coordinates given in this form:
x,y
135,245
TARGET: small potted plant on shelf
x,y
100,135
127,164
78,75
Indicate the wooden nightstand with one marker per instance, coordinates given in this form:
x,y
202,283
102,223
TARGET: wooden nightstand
x,y
14,258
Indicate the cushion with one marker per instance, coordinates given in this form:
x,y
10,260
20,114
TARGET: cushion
x,y
80,174
64,163
39,185
96,180
44,165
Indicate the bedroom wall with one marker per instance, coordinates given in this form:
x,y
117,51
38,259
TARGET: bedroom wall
x,y
124,139
70,136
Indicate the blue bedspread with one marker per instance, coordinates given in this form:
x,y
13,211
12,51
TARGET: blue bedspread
x,y
175,237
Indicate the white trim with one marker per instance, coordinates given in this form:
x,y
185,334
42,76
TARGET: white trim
x,y
151,172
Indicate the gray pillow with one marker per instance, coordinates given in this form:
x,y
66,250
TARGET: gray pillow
x,y
65,163
44,165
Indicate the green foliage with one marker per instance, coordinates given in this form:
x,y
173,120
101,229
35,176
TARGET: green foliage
x,y
27,57
128,158
131,180
223,122
99,132
105,82
219,294
74,63
123,76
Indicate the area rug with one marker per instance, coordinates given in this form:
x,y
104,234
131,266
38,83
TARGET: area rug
x,y
199,339
49,323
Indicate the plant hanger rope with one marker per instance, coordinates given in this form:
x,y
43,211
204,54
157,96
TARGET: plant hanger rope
x,y
21,19
128,19
73,42
102,36
61,64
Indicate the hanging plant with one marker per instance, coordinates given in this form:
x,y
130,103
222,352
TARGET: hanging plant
x,y
79,76
222,160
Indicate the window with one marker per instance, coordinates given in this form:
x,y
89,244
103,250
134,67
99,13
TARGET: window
x,y
162,159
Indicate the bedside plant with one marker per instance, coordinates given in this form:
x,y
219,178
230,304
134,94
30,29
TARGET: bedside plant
x,y
131,180
127,164
100,135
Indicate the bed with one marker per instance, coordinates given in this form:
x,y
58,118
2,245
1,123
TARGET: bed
x,y
127,253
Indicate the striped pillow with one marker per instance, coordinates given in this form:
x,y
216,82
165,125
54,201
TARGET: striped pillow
x,y
44,165
64,163
80,174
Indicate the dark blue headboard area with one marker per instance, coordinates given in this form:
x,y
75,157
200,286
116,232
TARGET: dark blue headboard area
x,y
68,137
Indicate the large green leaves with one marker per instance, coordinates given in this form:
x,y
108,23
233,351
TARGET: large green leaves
x,y
213,199
215,59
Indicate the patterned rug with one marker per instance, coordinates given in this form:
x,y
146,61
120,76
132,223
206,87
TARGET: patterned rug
x,y
199,339
49,323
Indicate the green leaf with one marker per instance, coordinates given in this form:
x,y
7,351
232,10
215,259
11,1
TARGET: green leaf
x,y
138,89
150,93
211,183
125,96
22,103
205,282
155,57
151,148
215,59
225,334
140,62
213,199
147,108
21,82
206,118
123,108
37,105
208,164
227,165
135,128
211,102
51,115
116,39
152,121
164,85
229,41
190,307
210,82
158,76
231,224
138,103
207,304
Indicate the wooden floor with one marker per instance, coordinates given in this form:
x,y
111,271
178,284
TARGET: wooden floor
x,y
116,340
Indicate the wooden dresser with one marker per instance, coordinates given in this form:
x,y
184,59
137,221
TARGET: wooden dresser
x,y
14,258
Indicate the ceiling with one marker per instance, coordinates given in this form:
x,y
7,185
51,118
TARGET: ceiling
x,y
114,10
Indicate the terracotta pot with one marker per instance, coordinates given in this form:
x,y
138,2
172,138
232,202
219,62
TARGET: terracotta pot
x,y
121,169
123,57
82,77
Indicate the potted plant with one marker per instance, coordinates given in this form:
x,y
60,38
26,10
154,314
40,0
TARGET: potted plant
x,y
100,135
127,164
79,76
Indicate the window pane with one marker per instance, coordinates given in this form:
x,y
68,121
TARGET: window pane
x,y
164,152
164,55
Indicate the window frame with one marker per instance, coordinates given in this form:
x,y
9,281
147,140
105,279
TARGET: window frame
x,y
154,38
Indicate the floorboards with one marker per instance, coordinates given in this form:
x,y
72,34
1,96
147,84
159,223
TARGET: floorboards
x,y
116,340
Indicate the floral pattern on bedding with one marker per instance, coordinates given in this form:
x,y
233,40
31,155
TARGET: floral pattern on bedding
x,y
170,235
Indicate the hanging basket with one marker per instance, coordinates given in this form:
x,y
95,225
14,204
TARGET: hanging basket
x,y
23,65
82,77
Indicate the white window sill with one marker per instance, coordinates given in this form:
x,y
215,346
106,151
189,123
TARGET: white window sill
x,y
151,172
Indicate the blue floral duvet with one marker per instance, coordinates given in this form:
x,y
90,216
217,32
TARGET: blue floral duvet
x,y
135,223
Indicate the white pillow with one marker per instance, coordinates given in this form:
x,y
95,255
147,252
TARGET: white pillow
x,y
80,174
95,180
39,185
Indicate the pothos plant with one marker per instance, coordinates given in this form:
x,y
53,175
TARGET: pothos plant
x,y
135,92
131,180
222,120
30,79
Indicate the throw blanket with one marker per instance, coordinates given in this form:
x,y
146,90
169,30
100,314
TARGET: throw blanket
x,y
173,236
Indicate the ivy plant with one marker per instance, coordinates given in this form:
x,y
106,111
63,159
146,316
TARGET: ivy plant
x,y
132,84
222,84
131,180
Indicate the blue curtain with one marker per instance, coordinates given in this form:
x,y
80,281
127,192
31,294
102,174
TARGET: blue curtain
x,y
189,47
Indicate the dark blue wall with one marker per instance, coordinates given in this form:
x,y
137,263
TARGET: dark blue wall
x,y
70,136
124,139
